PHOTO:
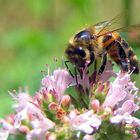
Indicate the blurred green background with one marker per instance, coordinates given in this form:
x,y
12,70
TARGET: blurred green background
x,y
35,32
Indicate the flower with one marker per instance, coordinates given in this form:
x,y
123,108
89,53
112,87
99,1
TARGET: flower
x,y
86,122
125,118
27,109
88,137
119,90
121,99
39,129
127,107
65,101
97,108
7,127
58,82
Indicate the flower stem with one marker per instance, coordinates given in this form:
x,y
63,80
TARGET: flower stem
x,y
81,136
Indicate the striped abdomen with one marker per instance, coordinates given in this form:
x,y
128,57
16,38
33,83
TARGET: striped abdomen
x,y
119,50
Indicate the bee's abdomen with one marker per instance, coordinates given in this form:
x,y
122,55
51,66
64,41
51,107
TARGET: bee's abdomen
x,y
133,62
113,52
120,51
109,44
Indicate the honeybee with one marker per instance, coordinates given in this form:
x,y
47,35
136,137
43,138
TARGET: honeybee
x,y
99,41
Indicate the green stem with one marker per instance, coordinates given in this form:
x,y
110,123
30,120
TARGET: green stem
x,y
81,136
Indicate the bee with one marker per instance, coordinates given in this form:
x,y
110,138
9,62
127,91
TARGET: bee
x,y
98,40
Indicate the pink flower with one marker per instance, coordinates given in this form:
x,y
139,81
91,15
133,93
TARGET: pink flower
x,y
86,122
29,110
40,128
119,90
51,114
9,128
24,108
88,137
58,82
125,118
21,115
121,100
127,107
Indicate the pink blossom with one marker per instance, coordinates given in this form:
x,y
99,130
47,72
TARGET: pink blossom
x,y
27,109
58,82
22,99
9,128
50,112
127,107
119,90
125,118
95,105
40,128
65,101
88,137
121,100
21,115
86,122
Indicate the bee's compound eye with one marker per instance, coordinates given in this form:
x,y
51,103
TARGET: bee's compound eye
x,y
80,51
83,35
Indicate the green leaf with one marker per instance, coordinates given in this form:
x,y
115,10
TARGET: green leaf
x,y
16,137
110,131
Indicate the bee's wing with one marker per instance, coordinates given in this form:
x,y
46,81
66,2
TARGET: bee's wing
x,y
115,24
102,26
108,25
131,28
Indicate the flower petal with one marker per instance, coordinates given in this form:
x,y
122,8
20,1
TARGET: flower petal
x,y
125,118
58,82
4,134
129,106
86,122
19,117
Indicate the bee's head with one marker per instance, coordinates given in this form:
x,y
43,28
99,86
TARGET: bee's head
x,y
84,37
79,56
80,49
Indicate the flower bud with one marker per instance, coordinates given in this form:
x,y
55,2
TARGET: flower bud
x,y
65,101
107,112
50,136
100,88
95,105
24,129
10,118
53,106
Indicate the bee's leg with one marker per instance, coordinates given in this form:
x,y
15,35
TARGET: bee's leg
x,y
104,61
75,71
123,58
68,68
94,75
95,65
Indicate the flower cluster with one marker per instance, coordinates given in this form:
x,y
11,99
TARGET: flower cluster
x,y
76,108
